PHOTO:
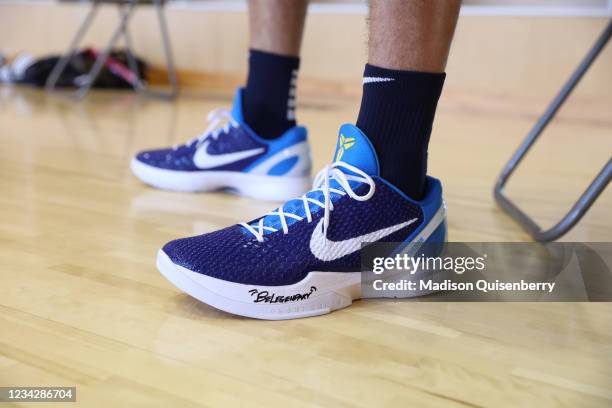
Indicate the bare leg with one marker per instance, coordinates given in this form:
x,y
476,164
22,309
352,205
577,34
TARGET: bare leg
x,y
412,34
276,26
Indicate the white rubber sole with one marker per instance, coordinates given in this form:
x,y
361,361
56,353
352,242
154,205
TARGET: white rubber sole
x,y
317,294
258,186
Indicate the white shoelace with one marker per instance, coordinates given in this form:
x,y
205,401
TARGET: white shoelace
x,y
321,183
221,121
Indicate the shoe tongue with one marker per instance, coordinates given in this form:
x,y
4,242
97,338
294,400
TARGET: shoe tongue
x,y
355,148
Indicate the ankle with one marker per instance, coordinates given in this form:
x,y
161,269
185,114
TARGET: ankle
x,y
269,95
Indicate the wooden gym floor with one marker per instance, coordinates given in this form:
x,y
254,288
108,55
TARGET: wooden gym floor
x,y
81,302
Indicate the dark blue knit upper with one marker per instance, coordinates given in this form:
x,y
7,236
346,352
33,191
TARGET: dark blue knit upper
x,y
233,254
236,139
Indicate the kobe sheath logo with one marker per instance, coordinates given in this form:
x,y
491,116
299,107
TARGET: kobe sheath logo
x,y
203,160
344,144
326,250
267,297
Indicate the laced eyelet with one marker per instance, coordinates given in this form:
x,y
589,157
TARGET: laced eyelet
x,y
220,119
321,183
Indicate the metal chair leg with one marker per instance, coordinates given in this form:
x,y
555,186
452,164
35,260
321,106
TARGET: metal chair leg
x,y
163,28
132,64
61,65
138,84
92,75
594,189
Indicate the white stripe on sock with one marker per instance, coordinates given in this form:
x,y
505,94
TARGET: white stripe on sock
x,y
291,100
368,80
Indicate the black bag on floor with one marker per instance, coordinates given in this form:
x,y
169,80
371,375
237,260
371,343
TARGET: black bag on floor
x,y
114,75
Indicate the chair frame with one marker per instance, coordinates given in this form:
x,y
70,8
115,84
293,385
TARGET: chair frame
x,y
592,192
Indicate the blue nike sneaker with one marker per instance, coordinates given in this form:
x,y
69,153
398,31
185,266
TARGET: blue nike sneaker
x,y
304,258
229,155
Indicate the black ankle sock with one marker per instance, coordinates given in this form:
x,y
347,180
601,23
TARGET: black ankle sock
x,y
397,113
268,102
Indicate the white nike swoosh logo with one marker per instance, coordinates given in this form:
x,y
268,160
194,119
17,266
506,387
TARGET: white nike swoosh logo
x,y
326,250
203,160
